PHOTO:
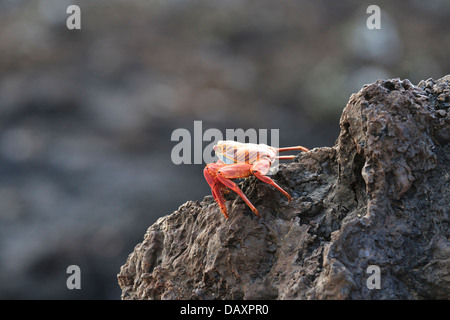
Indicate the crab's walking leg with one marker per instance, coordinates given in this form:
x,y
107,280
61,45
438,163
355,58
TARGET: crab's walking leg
x,y
290,149
260,169
285,157
216,187
235,171
293,148
267,180
217,194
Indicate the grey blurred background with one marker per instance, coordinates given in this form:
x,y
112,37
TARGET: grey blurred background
x,y
86,115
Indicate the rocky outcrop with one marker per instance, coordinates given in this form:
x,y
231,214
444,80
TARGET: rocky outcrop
x,y
379,198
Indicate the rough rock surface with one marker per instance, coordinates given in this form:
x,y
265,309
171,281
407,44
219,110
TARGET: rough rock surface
x,y
379,197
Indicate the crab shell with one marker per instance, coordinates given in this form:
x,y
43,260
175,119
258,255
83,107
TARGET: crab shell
x,y
231,152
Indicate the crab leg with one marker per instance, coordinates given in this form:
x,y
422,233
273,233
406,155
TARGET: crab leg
x,y
293,148
290,149
235,171
267,180
260,169
217,194
216,187
285,157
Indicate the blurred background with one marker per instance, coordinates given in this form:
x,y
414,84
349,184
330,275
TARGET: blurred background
x,y
86,116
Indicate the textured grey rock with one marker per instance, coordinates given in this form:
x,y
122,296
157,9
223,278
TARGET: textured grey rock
x,y
379,197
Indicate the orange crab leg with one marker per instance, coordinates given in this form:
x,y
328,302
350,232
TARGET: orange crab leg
x,y
290,149
293,148
285,157
217,194
260,169
216,187
267,180
235,171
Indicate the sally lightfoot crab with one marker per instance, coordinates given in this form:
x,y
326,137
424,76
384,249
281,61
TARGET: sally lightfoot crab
x,y
241,160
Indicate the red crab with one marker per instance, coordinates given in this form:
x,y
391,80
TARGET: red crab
x,y
241,160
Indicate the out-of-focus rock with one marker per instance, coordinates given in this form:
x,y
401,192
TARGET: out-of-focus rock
x,y
379,197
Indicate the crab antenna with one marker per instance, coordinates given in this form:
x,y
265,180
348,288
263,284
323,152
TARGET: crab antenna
x,y
293,148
